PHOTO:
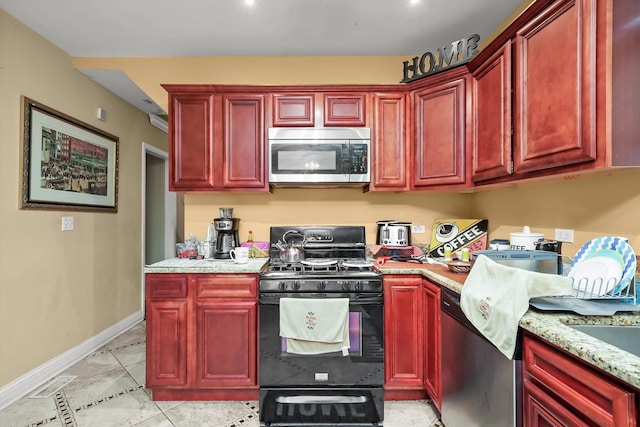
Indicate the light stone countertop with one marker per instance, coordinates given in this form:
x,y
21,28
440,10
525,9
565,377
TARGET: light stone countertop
x,y
207,265
552,326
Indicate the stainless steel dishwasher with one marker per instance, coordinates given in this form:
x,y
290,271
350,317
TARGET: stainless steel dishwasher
x,y
480,386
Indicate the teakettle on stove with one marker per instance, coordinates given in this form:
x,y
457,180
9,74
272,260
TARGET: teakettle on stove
x,y
394,233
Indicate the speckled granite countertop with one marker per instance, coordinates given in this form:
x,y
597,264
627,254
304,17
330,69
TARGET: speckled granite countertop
x,y
208,265
552,326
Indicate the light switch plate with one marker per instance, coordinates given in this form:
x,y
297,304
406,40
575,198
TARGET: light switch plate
x,y
564,235
67,223
417,229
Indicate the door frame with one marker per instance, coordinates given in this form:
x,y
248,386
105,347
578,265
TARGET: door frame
x,y
170,210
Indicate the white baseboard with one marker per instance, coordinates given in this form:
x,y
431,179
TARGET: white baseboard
x,y
43,373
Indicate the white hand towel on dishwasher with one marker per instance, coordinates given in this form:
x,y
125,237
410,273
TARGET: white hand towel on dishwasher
x,y
315,325
495,297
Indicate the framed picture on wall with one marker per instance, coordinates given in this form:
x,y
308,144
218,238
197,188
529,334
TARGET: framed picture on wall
x,y
66,164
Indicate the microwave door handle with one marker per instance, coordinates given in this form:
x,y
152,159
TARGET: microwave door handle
x,y
346,159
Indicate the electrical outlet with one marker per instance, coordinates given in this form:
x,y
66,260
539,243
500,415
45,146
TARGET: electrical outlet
x,y
67,223
564,235
417,229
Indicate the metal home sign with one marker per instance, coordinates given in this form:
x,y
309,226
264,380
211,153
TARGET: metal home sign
x,y
461,51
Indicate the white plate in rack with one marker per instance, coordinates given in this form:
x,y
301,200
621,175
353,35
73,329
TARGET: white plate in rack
x,y
598,275
615,248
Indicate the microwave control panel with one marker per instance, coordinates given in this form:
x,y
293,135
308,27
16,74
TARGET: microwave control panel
x,y
359,158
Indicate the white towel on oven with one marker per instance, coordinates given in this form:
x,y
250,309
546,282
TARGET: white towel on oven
x,y
315,325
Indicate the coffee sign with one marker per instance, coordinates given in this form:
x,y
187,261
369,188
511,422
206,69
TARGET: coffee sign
x,y
461,51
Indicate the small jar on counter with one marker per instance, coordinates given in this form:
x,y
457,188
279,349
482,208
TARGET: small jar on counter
x,y
499,245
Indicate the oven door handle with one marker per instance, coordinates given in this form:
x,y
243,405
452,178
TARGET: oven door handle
x,y
319,400
358,299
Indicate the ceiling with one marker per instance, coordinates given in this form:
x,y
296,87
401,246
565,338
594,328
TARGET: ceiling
x,y
170,28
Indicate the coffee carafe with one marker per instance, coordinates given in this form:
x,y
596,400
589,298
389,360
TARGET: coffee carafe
x,y
226,233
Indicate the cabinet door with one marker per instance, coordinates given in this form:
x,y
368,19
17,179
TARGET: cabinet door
x,y
389,145
244,142
293,110
166,314
492,121
344,109
226,343
580,389
432,347
555,95
192,158
403,343
440,133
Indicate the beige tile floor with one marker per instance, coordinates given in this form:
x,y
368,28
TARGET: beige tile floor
x,y
109,391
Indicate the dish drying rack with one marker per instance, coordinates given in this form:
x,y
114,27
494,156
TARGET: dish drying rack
x,y
597,289
592,299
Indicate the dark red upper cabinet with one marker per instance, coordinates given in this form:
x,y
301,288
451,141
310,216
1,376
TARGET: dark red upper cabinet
x,y
440,131
344,109
216,139
555,87
389,145
492,109
244,142
191,163
293,110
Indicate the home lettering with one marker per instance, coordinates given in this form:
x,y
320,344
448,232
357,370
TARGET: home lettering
x,y
461,51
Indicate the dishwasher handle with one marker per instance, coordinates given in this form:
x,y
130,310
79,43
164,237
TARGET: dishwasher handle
x,y
450,303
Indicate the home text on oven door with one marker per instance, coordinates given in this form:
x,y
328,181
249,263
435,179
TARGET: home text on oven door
x,y
319,156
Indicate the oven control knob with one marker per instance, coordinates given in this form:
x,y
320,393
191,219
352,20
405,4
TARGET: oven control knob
x,y
322,285
345,285
357,285
282,286
295,285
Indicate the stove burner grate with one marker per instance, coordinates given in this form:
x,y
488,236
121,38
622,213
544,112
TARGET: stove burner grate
x,y
315,266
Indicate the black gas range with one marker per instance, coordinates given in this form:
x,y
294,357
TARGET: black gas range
x,y
332,387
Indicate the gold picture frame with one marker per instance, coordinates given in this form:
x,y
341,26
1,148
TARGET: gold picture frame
x,y
66,164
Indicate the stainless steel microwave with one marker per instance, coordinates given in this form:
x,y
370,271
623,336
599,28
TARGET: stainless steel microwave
x,y
319,156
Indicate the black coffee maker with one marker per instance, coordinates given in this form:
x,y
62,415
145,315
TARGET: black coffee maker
x,y
226,233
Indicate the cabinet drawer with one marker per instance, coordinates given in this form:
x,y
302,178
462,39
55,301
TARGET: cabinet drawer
x,y
588,393
167,286
542,410
226,286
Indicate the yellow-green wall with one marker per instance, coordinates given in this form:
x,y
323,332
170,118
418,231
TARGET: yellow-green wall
x,y
59,289
258,212
601,205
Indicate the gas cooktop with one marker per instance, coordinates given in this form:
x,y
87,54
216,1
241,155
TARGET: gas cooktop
x,y
334,260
